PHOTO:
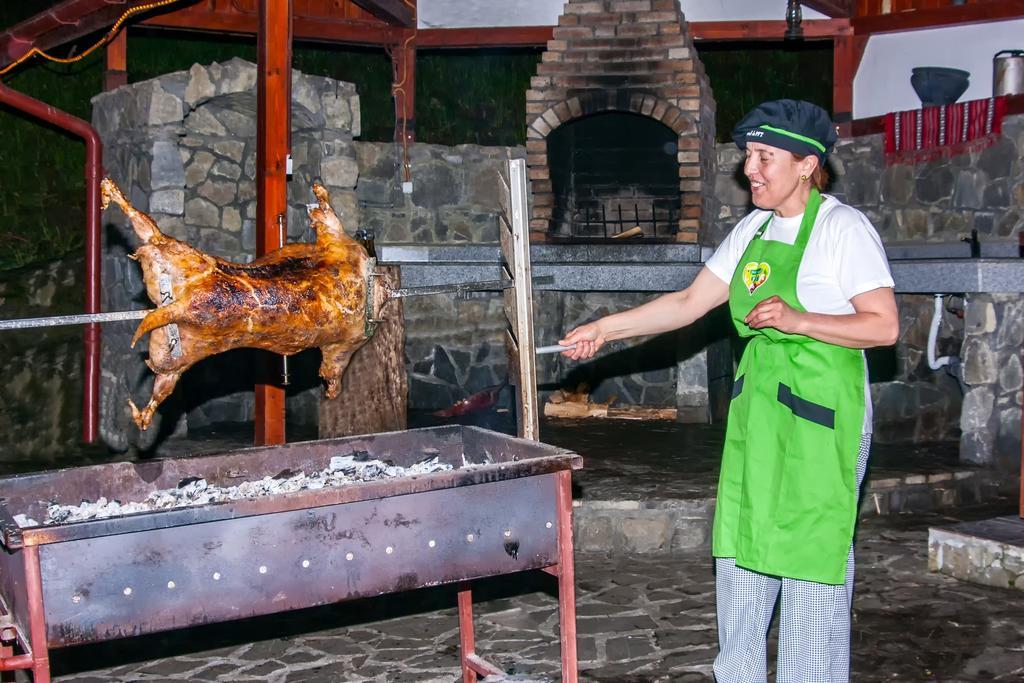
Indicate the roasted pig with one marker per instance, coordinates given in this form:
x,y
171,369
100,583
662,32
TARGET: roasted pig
x,y
295,298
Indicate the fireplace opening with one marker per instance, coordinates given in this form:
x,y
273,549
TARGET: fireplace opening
x,y
612,173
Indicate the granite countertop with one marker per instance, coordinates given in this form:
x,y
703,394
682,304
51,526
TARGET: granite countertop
x,y
917,268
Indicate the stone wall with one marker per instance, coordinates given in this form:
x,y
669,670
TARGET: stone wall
x,y
183,148
454,196
455,346
991,415
41,402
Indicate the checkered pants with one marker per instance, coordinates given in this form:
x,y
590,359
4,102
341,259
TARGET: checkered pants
x,y
814,621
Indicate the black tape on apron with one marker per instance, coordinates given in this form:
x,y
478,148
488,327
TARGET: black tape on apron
x,y
808,410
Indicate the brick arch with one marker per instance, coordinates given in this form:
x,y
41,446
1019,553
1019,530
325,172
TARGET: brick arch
x,y
600,101
596,102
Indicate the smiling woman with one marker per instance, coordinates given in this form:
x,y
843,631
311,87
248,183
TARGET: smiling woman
x,y
808,284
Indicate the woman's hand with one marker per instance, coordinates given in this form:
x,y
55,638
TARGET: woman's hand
x,y
587,338
776,313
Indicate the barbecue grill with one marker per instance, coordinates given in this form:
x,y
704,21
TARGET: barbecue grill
x,y
505,506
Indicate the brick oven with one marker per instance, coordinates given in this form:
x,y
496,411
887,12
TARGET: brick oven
x,y
620,126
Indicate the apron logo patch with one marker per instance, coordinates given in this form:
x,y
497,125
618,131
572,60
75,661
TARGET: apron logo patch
x,y
755,274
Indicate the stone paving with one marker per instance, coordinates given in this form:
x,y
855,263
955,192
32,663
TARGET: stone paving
x,y
641,619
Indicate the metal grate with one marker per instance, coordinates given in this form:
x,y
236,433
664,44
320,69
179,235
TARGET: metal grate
x,y
600,219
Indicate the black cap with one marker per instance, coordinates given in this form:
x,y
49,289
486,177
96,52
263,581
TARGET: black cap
x,y
793,125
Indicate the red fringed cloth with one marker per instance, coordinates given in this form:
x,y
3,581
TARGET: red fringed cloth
x,y
944,131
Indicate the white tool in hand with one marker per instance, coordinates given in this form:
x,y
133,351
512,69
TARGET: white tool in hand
x,y
556,348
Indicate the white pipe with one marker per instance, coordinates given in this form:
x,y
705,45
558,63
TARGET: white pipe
x,y
933,335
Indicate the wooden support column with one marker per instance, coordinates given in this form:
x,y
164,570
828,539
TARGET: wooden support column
x,y
847,53
273,97
403,58
116,72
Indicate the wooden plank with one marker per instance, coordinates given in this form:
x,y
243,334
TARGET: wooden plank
x,y
699,30
508,253
512,351
953,15
325,30
831,8
512,36
505,196
375,387
813,29
511,310
522,275
273,90
392,11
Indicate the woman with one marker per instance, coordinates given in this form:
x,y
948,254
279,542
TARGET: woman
x,y
808,284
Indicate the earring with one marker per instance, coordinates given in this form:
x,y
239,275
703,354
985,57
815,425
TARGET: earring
x,y
803,178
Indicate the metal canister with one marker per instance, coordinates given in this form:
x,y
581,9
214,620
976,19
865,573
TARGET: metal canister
x,y
1008,73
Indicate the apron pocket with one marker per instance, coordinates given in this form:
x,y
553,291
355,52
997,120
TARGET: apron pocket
x,y
737,387
808,410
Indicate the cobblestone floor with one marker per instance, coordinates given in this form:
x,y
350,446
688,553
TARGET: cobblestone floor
x,y
642,619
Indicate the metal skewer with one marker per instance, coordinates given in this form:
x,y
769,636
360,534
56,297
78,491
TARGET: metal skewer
x,y
555,348
114,316
81,319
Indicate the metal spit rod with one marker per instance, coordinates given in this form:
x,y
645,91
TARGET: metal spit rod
x,y
56,320
281,237
114,316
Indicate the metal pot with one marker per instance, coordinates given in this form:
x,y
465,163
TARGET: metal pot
x,y
1008,73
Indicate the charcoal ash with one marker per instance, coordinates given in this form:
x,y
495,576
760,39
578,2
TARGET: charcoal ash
x,y
342,470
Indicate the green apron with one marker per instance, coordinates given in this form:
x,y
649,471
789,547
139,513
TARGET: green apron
x,y
787,493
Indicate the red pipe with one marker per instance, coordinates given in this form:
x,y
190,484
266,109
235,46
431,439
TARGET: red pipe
x,y
93,173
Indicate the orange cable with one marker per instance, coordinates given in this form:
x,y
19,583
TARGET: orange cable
x,y
396,88
102,41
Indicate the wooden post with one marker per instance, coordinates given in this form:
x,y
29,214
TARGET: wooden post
x,y
374,388
116,72
403,59
847,53
273,89
513,229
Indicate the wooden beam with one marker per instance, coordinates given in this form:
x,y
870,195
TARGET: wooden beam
x,y
273,97
512,36
395,12
813,29
837,9
846,58
527,36
304,29
115,73
951,15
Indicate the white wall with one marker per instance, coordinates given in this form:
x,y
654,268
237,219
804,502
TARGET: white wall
x,y
468,13
882,84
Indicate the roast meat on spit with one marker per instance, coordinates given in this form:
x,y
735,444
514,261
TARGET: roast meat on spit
x,y
297,297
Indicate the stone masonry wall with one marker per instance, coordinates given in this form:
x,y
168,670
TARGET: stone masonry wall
x,y
992,370
454,196
183,148
455,346
41,403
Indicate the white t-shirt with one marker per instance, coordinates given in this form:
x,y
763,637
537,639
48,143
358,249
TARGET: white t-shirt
x,y
844,258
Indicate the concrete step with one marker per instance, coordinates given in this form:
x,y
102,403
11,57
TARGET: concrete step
x,y
654,525
988,552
